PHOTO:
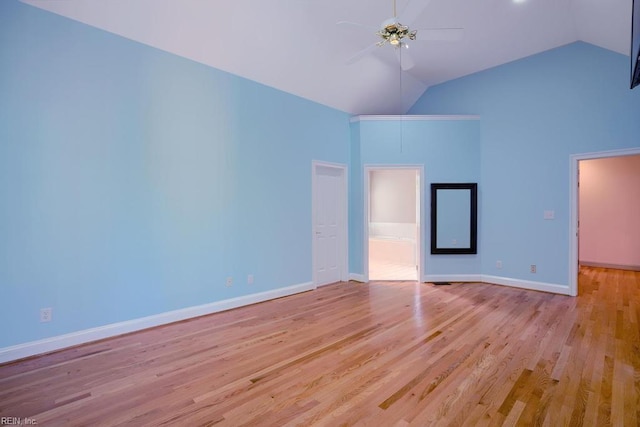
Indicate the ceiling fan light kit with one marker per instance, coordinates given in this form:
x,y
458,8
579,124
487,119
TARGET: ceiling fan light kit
x,y
397,35
393,32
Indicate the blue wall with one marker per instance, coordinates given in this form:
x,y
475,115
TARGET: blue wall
x,y
133,182
535,113
449,151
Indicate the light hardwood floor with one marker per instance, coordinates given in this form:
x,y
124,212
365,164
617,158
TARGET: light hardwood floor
x,y
379,354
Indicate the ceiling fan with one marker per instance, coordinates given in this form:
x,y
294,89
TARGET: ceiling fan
x,y
398,35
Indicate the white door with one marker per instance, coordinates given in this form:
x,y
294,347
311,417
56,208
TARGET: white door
x,y
329,228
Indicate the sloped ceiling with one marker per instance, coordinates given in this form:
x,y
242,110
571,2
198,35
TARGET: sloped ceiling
x,y
296,46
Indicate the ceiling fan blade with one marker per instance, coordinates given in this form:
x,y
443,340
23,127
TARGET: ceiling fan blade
x,y
359,55
357,24
443,34
406,63
412,10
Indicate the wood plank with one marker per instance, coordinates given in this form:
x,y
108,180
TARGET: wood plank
x,y
383,353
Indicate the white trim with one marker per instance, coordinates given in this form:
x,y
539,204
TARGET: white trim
x,y
574,160
365,222
527,284
344,221
497,280
452,278
357,277
365,246
47,345
410,118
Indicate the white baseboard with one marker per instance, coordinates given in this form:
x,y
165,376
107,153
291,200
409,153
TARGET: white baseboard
x,y
47,345
505,281
527,284
452,278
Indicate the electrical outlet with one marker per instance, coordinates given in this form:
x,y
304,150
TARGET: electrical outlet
x,y
454,242
46,314
533,268
229,281
250,279
498,264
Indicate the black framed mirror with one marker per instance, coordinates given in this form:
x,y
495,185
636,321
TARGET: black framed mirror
x,y
454,218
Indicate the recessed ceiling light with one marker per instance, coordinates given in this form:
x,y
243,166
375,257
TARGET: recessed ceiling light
x,y
519,1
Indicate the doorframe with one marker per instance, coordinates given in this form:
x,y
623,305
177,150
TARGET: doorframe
x,y
343,226
573,207
365,246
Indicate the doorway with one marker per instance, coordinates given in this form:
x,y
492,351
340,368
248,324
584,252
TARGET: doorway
x,y
574,248
393,206
329,230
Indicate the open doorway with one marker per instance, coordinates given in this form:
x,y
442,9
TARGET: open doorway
x,y
608,212
393,231
592,213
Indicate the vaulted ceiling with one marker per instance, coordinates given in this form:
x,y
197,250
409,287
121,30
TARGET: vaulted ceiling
x,y
296,46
